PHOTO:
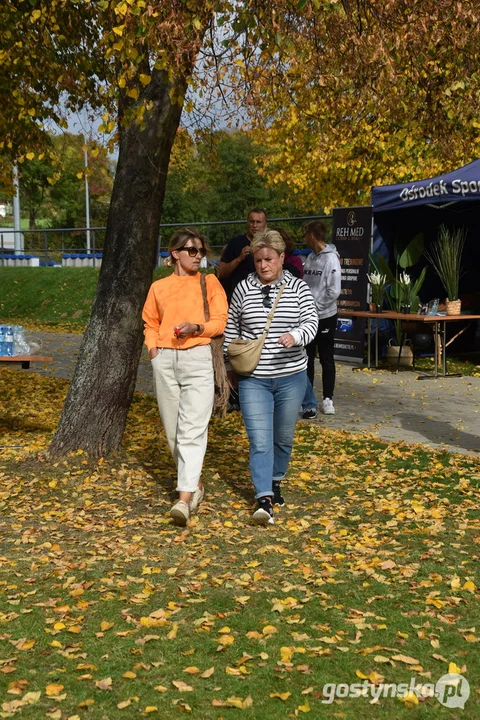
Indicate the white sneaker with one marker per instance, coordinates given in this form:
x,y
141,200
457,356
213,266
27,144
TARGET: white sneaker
x,y
180,513
196,499
327,407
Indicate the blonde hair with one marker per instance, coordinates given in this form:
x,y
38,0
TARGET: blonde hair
x,y
267,239
180,238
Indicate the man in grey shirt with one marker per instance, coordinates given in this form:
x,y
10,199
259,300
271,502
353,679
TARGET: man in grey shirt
x,y
322,273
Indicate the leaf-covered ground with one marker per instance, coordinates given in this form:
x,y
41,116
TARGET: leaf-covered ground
x,y
107,610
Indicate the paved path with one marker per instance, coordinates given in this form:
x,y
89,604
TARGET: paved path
x,y
442,412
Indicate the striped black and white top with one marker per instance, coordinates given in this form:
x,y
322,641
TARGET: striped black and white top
x,y
294,314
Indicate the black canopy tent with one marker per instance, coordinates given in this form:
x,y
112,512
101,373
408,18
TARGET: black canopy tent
x,y
453,199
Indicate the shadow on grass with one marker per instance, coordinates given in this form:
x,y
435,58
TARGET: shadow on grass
x,y
10,424
440,432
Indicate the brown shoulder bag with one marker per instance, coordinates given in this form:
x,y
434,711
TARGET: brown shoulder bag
x,y
222,388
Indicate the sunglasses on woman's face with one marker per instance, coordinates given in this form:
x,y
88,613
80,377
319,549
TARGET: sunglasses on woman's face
x,y
192,251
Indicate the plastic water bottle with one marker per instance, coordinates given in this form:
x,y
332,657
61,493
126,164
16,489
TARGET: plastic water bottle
x,y
2,340
9,341
20,345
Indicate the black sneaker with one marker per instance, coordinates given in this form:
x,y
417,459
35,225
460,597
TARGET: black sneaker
x,y
263,515
277,496
310,414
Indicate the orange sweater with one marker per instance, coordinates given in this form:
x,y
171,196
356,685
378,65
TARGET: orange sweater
x,y
176,299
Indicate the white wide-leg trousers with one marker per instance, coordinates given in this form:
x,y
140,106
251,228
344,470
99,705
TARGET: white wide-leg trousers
x,y
184,388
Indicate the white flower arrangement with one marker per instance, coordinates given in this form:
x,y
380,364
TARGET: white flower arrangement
x,y
378,284
375,278
405,283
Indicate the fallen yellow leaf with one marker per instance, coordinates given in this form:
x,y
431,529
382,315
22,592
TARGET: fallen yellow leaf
x,y
410,699
183,687
86,703
226,639
405,659
52,690
453,669
281,696
124,704
173,632
105,684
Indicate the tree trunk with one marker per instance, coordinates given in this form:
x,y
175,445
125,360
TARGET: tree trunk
x,y
95,411
32,219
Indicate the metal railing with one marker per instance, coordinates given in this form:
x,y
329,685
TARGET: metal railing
x,y
50,244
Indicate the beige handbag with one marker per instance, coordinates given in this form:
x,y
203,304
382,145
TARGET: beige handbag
x,y
244,355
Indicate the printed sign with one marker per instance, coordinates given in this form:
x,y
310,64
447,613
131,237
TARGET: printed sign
x,y
351,234
462,184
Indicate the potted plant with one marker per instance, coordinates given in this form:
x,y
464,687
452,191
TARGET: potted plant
x,y
445,256
406,256
378,284
405,291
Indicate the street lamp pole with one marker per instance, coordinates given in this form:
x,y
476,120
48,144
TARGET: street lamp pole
x,y
87,195
17,236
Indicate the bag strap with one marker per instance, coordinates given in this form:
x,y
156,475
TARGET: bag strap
x,y
206,309
272,311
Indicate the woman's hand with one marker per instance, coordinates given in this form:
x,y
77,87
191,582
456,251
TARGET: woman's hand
x,y
286,340
185,329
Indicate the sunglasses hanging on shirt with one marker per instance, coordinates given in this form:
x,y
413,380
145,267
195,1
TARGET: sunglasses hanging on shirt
x,y
267,299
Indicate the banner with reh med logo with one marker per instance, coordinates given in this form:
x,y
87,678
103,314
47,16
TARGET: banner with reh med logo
x,y
351,234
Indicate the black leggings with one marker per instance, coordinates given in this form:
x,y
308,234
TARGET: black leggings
x,y
324,342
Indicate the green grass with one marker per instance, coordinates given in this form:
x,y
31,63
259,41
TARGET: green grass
x,y
367,562
49,298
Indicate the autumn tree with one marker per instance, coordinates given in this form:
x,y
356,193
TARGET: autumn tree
x,y
66,197
368,92
214,176
34,184
52,185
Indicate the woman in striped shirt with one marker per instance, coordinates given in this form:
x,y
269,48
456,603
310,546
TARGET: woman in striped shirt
x,y
271,396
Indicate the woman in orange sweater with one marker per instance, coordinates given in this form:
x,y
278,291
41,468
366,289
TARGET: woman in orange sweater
x,y
178,341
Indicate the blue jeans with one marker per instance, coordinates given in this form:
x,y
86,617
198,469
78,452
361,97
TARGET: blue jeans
x,y
270,408
309,401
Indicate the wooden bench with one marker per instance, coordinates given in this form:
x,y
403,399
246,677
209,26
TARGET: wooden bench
x,y
24,360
